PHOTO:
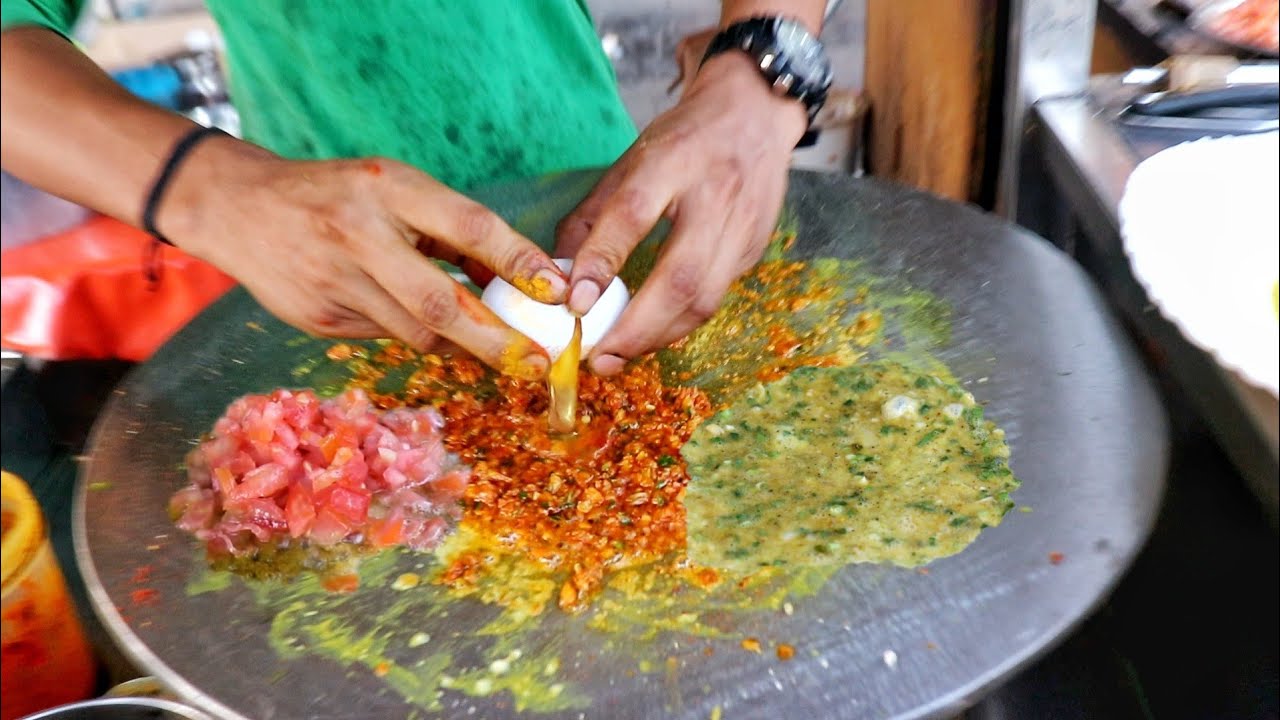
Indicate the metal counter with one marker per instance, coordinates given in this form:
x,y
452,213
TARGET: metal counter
x,y
1075,167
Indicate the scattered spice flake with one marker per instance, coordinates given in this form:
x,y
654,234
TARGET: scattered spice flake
x,y
394,355
345,583
142,574
708,651
382,668
1025,509
1056,558
922,571
255,326
406,581
340,352
785,652
791,311
930,646
144,596
751,645
705,578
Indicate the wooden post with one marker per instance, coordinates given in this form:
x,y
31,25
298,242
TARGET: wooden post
x,y
928,79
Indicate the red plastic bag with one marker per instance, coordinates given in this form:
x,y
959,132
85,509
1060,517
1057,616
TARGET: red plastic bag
x,y
101,290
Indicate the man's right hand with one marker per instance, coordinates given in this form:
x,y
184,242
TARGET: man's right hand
x,y
337,248
342,248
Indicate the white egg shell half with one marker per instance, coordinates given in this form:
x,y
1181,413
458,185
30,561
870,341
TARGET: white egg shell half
x,y
551,326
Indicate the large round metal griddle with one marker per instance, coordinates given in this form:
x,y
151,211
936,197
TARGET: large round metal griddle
x,y
1031,338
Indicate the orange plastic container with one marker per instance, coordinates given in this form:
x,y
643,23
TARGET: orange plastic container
x,y
45,659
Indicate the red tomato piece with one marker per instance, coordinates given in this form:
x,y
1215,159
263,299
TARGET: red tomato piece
x,y
225,480
328,528
299,511
350,505
388,531
261,482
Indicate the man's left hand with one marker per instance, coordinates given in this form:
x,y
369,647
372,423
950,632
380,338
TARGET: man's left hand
x,y
716,166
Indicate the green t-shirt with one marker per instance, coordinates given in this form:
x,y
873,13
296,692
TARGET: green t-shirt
x,y
471,92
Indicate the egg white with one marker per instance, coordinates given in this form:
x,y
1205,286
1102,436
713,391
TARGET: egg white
x,y
551,326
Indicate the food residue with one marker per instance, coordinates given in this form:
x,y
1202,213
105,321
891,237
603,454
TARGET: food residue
x,y
868,463
143,596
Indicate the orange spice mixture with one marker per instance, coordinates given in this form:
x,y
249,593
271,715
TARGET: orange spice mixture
x,y
607,497
611,495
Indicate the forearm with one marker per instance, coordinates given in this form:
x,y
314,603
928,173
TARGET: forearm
x,y
808,12
70,129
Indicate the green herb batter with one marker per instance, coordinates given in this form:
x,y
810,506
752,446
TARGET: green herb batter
x,y
868,463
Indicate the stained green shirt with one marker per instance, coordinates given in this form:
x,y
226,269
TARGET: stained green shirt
x,y
471,91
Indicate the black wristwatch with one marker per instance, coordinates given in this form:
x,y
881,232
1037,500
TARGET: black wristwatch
x,y
791,60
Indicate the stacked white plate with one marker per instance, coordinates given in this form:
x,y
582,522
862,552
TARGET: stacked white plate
x,y
1201,226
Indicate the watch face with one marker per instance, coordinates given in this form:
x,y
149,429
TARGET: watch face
x,y
805,56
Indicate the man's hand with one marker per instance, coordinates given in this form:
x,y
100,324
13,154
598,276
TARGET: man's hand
x,y
689,53
339,248
336,248
716,166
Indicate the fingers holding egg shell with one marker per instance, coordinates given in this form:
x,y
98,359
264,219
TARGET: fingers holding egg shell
x,y
551,326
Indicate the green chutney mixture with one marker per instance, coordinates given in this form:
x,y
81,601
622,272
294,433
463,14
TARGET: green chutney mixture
x,y
829,466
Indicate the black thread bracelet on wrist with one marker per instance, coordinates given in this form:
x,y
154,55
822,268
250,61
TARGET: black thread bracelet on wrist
x,y
181,149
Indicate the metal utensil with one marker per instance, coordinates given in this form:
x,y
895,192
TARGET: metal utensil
x,y
1031,338
118,708
1216,95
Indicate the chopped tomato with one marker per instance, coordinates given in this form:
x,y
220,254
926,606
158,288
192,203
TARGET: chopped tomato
x,y
330,446
322,480
262,512
451,484
291,466
299,511
341,583
260,433
350,505
226,480
387,532
328,528
263,481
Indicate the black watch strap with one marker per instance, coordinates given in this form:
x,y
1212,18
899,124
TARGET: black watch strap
x,y
747,36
